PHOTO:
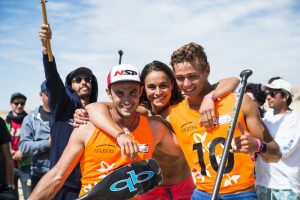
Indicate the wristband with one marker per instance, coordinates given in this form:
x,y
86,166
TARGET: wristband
x,y
210,96
119,134
258,145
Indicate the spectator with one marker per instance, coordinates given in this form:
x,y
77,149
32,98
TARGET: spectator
x,y
281,180
35,138
255,92
22,163
6,165
79,90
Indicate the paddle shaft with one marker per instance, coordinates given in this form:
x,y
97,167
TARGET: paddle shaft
x,y
244,76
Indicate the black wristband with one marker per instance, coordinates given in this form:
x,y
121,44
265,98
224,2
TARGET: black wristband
x,y
263,148
119,134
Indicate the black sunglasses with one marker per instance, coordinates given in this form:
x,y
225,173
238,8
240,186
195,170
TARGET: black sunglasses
x,y
17,103
272,93
78,79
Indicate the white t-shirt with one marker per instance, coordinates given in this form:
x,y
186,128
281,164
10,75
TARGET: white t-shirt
x,y
285,174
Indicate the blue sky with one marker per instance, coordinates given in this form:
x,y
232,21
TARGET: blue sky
x,y
236,34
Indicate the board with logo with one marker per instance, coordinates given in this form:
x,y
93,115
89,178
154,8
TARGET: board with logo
x,y
127,182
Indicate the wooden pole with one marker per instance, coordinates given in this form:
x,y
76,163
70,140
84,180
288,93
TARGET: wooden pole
x,y
43,4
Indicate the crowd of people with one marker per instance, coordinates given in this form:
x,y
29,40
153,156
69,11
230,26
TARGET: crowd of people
x,y
183,119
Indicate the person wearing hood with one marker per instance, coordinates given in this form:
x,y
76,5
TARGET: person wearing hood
x,y
79,90
35,134
21,163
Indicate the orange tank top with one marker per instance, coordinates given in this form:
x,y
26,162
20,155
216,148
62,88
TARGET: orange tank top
x,y
203,149
102,154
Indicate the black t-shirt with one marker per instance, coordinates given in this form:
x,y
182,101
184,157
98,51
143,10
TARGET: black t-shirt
x,y
4,139
46,116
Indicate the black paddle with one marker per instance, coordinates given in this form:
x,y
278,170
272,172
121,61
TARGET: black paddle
x,y
127,182
240,94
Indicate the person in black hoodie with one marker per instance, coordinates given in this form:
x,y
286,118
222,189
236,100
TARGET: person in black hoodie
x,y
79,90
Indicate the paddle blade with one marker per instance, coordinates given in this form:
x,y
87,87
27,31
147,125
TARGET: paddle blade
x,y
127,182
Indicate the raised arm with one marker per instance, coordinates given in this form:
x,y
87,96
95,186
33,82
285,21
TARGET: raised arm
x,y
100,116
207,108
81,116
58,98
259,131
51,182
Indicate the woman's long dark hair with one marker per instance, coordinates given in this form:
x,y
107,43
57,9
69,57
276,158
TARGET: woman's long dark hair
x,y
176,96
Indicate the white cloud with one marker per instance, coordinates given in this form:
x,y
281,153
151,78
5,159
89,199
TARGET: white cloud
x,y
58,6
263,35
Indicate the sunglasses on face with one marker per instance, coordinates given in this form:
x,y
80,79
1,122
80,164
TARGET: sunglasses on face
x,y
19,103
79,79
272,93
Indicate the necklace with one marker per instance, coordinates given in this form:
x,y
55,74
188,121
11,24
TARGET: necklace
x,y
132,125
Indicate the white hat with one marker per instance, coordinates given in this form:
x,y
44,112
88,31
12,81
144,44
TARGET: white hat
x,y
279,84
123,72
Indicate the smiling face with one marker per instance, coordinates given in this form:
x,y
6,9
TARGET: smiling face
x,y
125,97
158,89
82,84
190,79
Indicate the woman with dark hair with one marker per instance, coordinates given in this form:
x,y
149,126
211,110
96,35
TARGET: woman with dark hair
x,y
168,86
161,91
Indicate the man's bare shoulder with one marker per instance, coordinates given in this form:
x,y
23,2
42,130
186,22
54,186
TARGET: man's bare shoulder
x,y
85,127
84,131
248,105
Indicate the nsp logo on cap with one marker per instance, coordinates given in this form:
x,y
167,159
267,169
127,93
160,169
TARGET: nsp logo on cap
x,y
123,72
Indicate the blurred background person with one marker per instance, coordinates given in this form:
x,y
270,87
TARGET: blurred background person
x,y
22,163
281,180
6,165
255,92
35,138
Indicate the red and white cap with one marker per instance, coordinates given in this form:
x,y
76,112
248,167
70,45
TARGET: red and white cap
x,y
123,72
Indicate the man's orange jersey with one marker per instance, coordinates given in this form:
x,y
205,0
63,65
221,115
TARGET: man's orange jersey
x,y
102,154
203,149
